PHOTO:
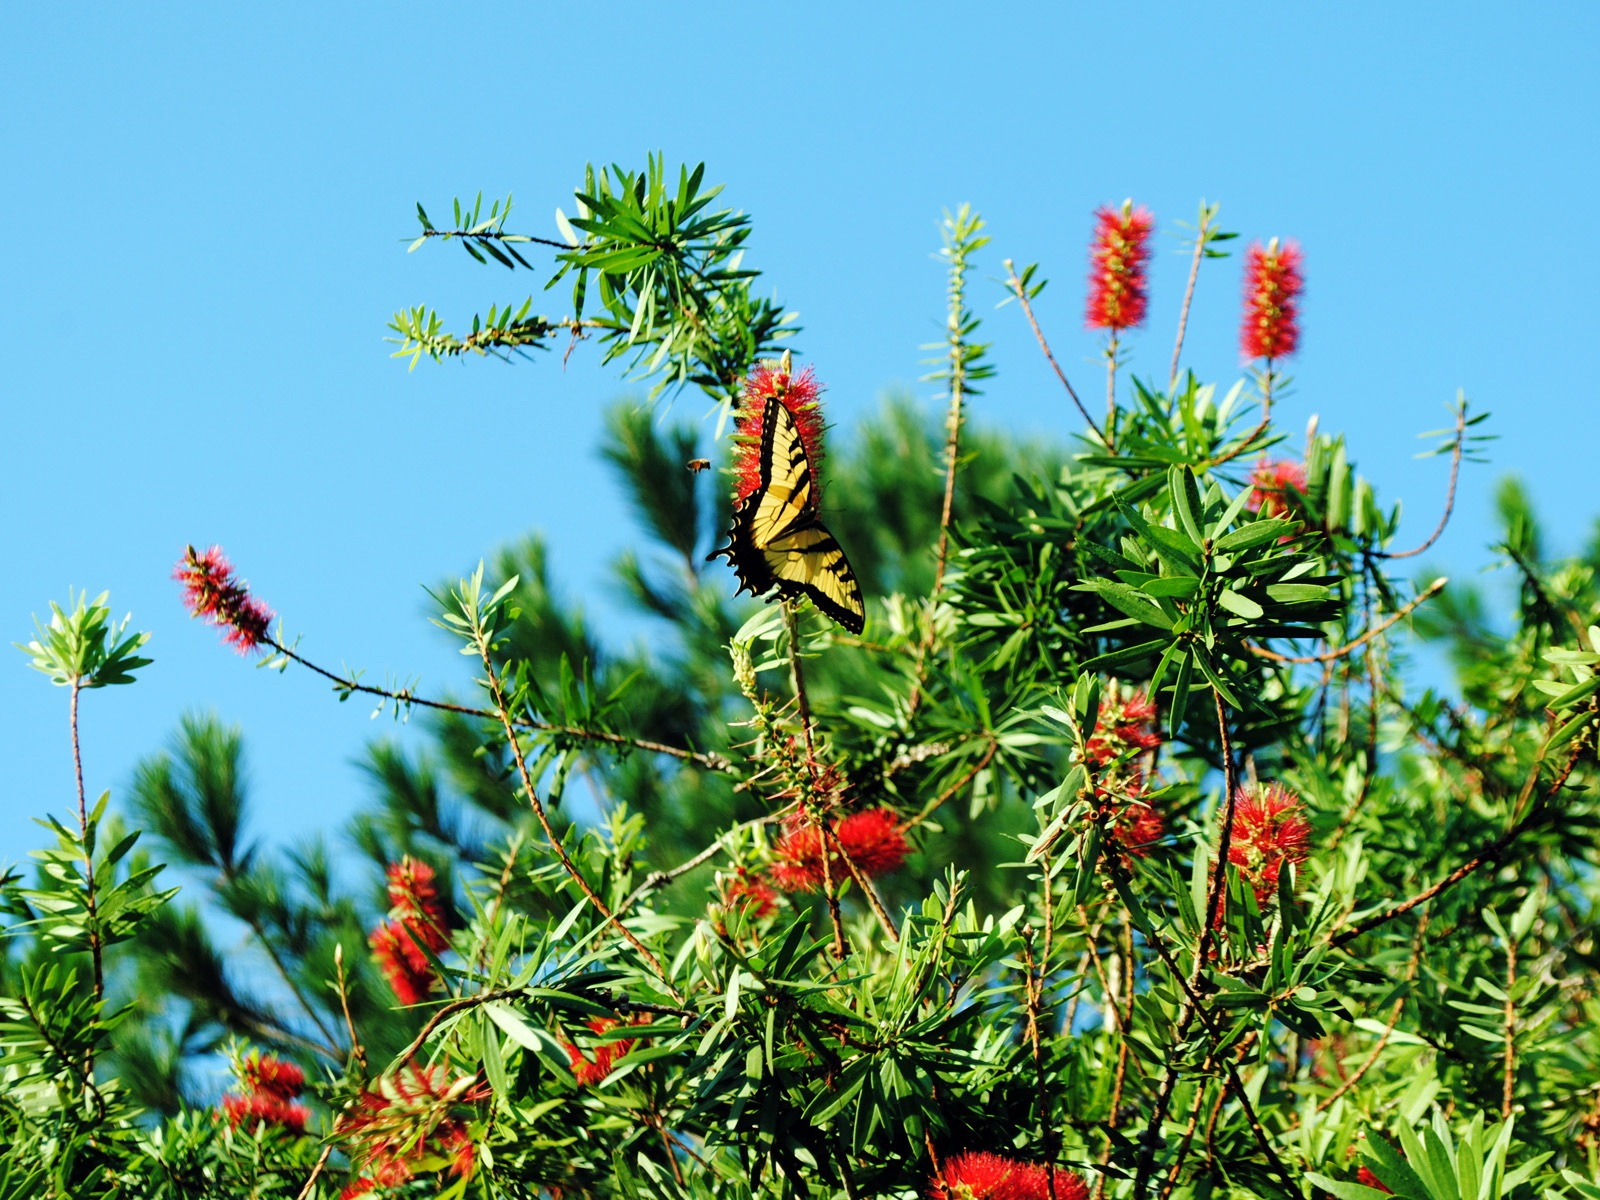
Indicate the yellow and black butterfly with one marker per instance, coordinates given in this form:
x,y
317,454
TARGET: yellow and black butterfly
x,y
778,539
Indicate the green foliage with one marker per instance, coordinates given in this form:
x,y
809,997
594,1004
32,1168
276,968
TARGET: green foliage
x,y
1083,936
82,647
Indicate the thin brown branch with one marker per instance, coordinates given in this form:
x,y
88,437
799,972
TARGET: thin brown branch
x,y
1456,452
488,236
831,838
659,879
1111,385
1489,854
933,805
711,762
502,711
90,899
356,1048
1249,439
841,946
1202,236
1428,593
1021,293
1367,1064
445,1011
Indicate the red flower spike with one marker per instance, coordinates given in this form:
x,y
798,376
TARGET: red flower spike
x,y
1122,725
984,1176
801,395
873,839
752,895
402,961
414,901
262,1074
590,1071
269,1088
1136,827
412,1121
1275,487
211,592
1118,255
417,914
1269,829
1272,286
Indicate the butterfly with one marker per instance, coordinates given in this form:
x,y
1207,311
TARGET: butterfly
x,y
778,539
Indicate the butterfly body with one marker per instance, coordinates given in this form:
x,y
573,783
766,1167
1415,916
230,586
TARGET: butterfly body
x,y
778,539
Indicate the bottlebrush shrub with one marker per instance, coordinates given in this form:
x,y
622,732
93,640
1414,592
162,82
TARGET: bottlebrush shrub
x,y
1120,855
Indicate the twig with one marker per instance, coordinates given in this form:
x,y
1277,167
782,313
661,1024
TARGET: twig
x,y
502,711
1490,853
1266,419
841,946
1021,294
356,1048
1200,241
1111,384
1219,879
446,1011
1428,593
1456,452
711,762
659,879
90,901
1394,1019
933,805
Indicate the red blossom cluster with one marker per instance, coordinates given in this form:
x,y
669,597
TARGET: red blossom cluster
x,y
874,840
1121,725
801,395
1269,829
412,1121
211,591
269,1089
590,1071
749,894
1272,286
417,915
1276,486
983,1176
1124,728
1118,256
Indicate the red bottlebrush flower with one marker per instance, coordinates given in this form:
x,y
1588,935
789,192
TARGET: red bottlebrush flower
x,y
1136,827
1121,725
1372,1181
403,962
590,1071
1269,829
800,394
412,1121
418,914
1272,286
268,1076
255,1111
414,900
1117,259
269,1088
750,894
873,839
984,1176
1276,486
361,1189
211,591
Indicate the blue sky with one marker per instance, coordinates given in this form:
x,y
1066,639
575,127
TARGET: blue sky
x,y
206,208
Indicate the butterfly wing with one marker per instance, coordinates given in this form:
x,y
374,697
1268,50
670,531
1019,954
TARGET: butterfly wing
x,y
778,539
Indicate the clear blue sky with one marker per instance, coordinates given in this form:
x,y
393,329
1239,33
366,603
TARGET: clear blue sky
x,y
204,212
